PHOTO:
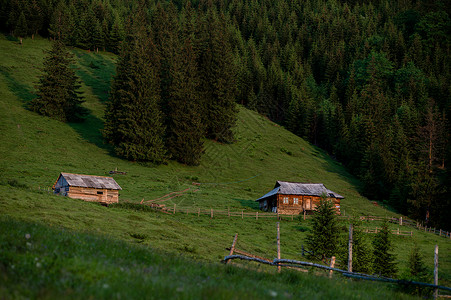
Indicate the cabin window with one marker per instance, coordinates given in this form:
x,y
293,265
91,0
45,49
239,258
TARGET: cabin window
x,y
296,201
285,200
99,193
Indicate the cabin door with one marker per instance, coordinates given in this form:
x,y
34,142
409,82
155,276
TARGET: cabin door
x,y
307,203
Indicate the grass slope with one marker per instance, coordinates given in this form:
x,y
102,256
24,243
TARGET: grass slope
x,y
34,149
54,263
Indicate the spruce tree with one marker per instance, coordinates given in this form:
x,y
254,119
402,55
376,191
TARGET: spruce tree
x,y
57,95
133,119
362,256
383,260
21,27
417,271
185,127
185,124
217,74
323,239
116,35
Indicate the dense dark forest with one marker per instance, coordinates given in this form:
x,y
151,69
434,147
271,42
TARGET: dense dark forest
x,y
368,81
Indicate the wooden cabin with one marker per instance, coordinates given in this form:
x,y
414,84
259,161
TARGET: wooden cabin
x,y
88,187
292,198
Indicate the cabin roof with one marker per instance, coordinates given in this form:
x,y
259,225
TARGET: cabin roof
x,y
298,188
90,181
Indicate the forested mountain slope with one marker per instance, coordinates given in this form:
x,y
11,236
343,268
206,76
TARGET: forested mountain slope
x,y
368,81
34,149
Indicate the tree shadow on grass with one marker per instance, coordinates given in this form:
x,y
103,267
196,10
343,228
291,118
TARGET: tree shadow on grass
x,y
90,130
96,72
247,203
22,91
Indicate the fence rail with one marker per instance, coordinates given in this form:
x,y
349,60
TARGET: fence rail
x,y
393,231
297,264
402,221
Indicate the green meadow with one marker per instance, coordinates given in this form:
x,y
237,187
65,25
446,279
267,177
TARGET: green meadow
x,y
78,249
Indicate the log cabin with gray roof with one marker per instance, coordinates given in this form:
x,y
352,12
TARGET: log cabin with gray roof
x,y
88,187
293,198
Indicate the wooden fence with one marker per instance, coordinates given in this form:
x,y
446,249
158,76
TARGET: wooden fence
x,y
393,231
213,213
296,264
402,221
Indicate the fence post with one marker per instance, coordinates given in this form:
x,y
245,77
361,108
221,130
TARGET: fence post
x,y
440,232
256,215
436,271
278,246
350,249
400,221
228,211
304,214
242,214
211,213
398,231
332,264
174,209
376,229
233,247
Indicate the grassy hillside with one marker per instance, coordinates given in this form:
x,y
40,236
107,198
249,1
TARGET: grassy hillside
x,y
53,263
35,149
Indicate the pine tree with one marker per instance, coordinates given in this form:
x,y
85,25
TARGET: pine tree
x,y
217,73
417,272
133,119
57,95
185,127
323,239
166,35
185,121
116,35
21,27
383,260
62,25
362,257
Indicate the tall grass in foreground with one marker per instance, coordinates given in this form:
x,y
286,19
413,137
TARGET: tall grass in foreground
x,y
37,261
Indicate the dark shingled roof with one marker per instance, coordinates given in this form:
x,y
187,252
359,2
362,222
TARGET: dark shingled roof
x,y
297,188
90,181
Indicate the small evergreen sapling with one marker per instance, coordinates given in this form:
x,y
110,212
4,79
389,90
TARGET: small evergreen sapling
x,y
383,260
362,254
417,272
323,239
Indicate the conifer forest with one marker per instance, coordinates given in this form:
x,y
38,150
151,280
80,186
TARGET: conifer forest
x,y
367,81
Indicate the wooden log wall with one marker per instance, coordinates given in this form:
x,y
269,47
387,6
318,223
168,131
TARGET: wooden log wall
x,y
307,203
94,195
